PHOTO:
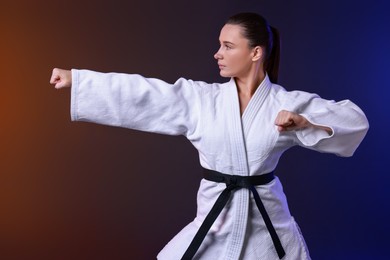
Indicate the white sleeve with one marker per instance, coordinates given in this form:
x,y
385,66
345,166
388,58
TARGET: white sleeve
x,y
348,123
136,102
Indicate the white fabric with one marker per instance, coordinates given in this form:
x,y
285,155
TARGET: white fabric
x,y
209,116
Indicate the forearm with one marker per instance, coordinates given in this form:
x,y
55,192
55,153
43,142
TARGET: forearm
x,y
320,127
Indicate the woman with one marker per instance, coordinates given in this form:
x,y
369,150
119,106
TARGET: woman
x,y
240,128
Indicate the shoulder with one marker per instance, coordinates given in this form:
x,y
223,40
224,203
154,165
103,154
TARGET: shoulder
x,y
294,98
294,95
211,88
202,84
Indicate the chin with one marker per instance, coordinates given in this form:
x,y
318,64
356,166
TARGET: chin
x,y
224,74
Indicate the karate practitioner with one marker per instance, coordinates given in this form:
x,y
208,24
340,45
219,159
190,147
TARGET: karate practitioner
x,y
240,128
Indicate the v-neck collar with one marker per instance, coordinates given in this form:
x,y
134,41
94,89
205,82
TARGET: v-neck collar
x,y
254,103
240,124
257,98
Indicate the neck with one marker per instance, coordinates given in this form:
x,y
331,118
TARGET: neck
x,y
248,84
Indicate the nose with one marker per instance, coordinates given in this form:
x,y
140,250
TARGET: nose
x,y
218,55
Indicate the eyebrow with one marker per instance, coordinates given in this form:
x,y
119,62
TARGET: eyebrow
x,y
227,42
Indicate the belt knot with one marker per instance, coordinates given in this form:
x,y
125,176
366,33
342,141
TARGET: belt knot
x,y
232,182
236,182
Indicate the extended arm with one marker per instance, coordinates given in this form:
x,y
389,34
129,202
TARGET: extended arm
x,y
132,101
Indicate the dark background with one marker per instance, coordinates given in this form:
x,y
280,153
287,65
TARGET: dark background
x,y
85,191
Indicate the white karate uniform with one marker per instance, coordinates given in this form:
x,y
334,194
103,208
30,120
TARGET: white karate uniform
x,y
209,116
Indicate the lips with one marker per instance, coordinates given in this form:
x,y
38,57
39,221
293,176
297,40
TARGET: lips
x,y
221,66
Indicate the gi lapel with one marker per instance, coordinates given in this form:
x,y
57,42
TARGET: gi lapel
x,y
240,125
240,201
255,104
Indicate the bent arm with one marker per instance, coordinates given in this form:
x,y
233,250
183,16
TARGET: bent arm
x,y
347,122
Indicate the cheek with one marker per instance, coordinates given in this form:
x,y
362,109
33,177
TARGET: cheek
x,y
238,61
232,59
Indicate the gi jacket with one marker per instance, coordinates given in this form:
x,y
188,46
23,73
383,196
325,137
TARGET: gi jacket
x,y
209,116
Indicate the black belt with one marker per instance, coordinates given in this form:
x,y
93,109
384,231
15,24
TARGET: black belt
x,y
233,182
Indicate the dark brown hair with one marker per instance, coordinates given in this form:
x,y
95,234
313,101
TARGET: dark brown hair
x,y
259,33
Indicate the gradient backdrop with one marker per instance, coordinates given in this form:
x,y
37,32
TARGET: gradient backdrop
x,y
85,191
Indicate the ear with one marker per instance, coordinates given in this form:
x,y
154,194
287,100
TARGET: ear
x,y
257,53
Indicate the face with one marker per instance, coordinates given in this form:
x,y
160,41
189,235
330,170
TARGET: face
x,y
235,57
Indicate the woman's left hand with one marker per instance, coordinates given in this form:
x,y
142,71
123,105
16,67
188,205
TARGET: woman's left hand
x,y
290,121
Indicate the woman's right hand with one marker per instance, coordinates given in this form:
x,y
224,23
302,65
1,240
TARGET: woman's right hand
x,y
61,78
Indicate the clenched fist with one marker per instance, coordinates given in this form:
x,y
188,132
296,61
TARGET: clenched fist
x,y
290,121
61,78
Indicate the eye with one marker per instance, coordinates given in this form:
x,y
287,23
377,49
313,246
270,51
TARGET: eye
x,y
228,47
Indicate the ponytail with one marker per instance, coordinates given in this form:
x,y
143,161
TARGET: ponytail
x,y
272,63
